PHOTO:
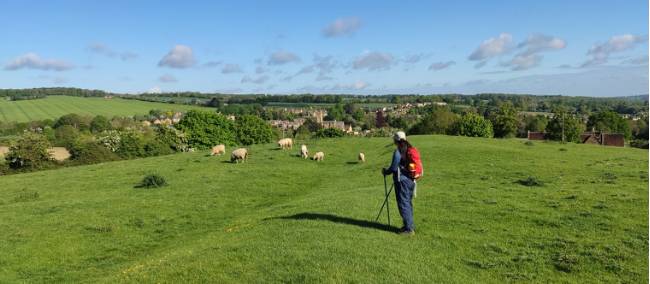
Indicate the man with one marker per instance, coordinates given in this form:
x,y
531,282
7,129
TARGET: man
x,y
404,184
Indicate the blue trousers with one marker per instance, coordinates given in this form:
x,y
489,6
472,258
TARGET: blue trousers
x,y
404,189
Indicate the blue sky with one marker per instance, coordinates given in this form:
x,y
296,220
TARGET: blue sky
x,y
585,48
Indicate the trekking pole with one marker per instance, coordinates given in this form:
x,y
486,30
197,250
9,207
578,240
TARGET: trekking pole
x,y
385,202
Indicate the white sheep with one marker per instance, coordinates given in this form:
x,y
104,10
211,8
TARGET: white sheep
x,y
237,155
362,157
218,150
285,143
304,152
319,156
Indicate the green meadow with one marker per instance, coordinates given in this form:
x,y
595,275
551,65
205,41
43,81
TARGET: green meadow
x,y
280,218
53,107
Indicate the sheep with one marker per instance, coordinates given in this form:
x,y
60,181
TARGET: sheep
x,y
304,153
237,155
218,150
362,157
285,143
319,156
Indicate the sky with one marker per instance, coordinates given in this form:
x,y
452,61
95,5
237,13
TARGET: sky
x,y
575,48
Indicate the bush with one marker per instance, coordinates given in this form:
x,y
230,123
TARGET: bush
x,y
91,153
155,147
573,127
174,138
152,181
251,129
504,121
530,181
29,153
131,145
473,125
206,129
100,123
329,133
73,120
110,139
65,136
439,121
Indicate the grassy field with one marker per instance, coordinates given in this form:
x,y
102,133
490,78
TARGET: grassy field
x,y
279,218
55,106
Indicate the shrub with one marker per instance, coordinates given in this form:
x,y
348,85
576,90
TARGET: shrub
x,y
251,129
572,124
206,129
439,121
65,136
131,145
91,153
73,120
152,181
100,123
110,139
174,138
329,133
155,147
530,181
29,152
504,121
473,125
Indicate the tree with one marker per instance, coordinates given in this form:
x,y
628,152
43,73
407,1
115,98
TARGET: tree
x,y
66,136
329,133
611,122
251,129
504,121
73,120
439,121
100,123
473,125
565,124
335,113
206,129
30,152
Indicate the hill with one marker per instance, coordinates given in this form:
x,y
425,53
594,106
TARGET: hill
x,y
279,218
55,106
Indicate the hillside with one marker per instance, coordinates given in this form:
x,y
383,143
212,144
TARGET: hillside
x,y
53,107
279,218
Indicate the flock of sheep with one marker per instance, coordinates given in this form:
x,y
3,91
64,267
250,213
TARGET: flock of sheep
x,y
241,154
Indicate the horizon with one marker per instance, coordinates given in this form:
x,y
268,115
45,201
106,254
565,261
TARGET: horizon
x,y
577,49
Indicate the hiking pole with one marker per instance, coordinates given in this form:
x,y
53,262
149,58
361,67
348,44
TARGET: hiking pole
x,y
385,202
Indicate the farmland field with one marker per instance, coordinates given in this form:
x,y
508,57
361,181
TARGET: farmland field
x,y
279,218
55,106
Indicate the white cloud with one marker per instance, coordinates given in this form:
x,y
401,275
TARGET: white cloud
x,y
342,26
259,80
231,68
373,61
538,43
492,47
441,65
54,80
324,65
167,78
33,61
282,57
600,52
358,85
181,56
103,49
154,90
523,61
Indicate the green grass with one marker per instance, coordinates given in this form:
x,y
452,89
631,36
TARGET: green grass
x,y
279,218
55,106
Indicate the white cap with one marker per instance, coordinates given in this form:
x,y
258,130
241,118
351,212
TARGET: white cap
x,y
399,135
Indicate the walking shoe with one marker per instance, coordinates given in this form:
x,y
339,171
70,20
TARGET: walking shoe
x,y
407,233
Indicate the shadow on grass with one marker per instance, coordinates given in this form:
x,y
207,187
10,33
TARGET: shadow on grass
x,y
340,220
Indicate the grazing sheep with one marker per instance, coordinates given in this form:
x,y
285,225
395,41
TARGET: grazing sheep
x,y
362,157
304,152
319,156
218,150
285,143
237,155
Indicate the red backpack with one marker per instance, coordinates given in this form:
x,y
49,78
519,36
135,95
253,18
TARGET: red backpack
x,y
414,163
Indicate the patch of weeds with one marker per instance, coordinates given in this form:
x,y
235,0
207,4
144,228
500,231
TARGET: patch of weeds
x,y
480,264
521,258
585,214
494,248
563,149
100,228
553,204
609,178
152,181
485,177
572,197
565,262
26,196
137,222
490,201
530,181
517,276
529,143
600,205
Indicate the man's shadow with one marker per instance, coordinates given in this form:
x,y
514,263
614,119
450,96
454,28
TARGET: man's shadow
x,y
340,220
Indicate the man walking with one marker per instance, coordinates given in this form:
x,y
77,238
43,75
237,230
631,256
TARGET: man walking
x,y
403,181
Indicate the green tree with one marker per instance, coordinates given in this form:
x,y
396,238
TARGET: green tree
x,y
569,124
504,121
251,129
335,113
611,122
329,133
66,136
30,152
73,120
100,123
439,121
206,129
473,125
